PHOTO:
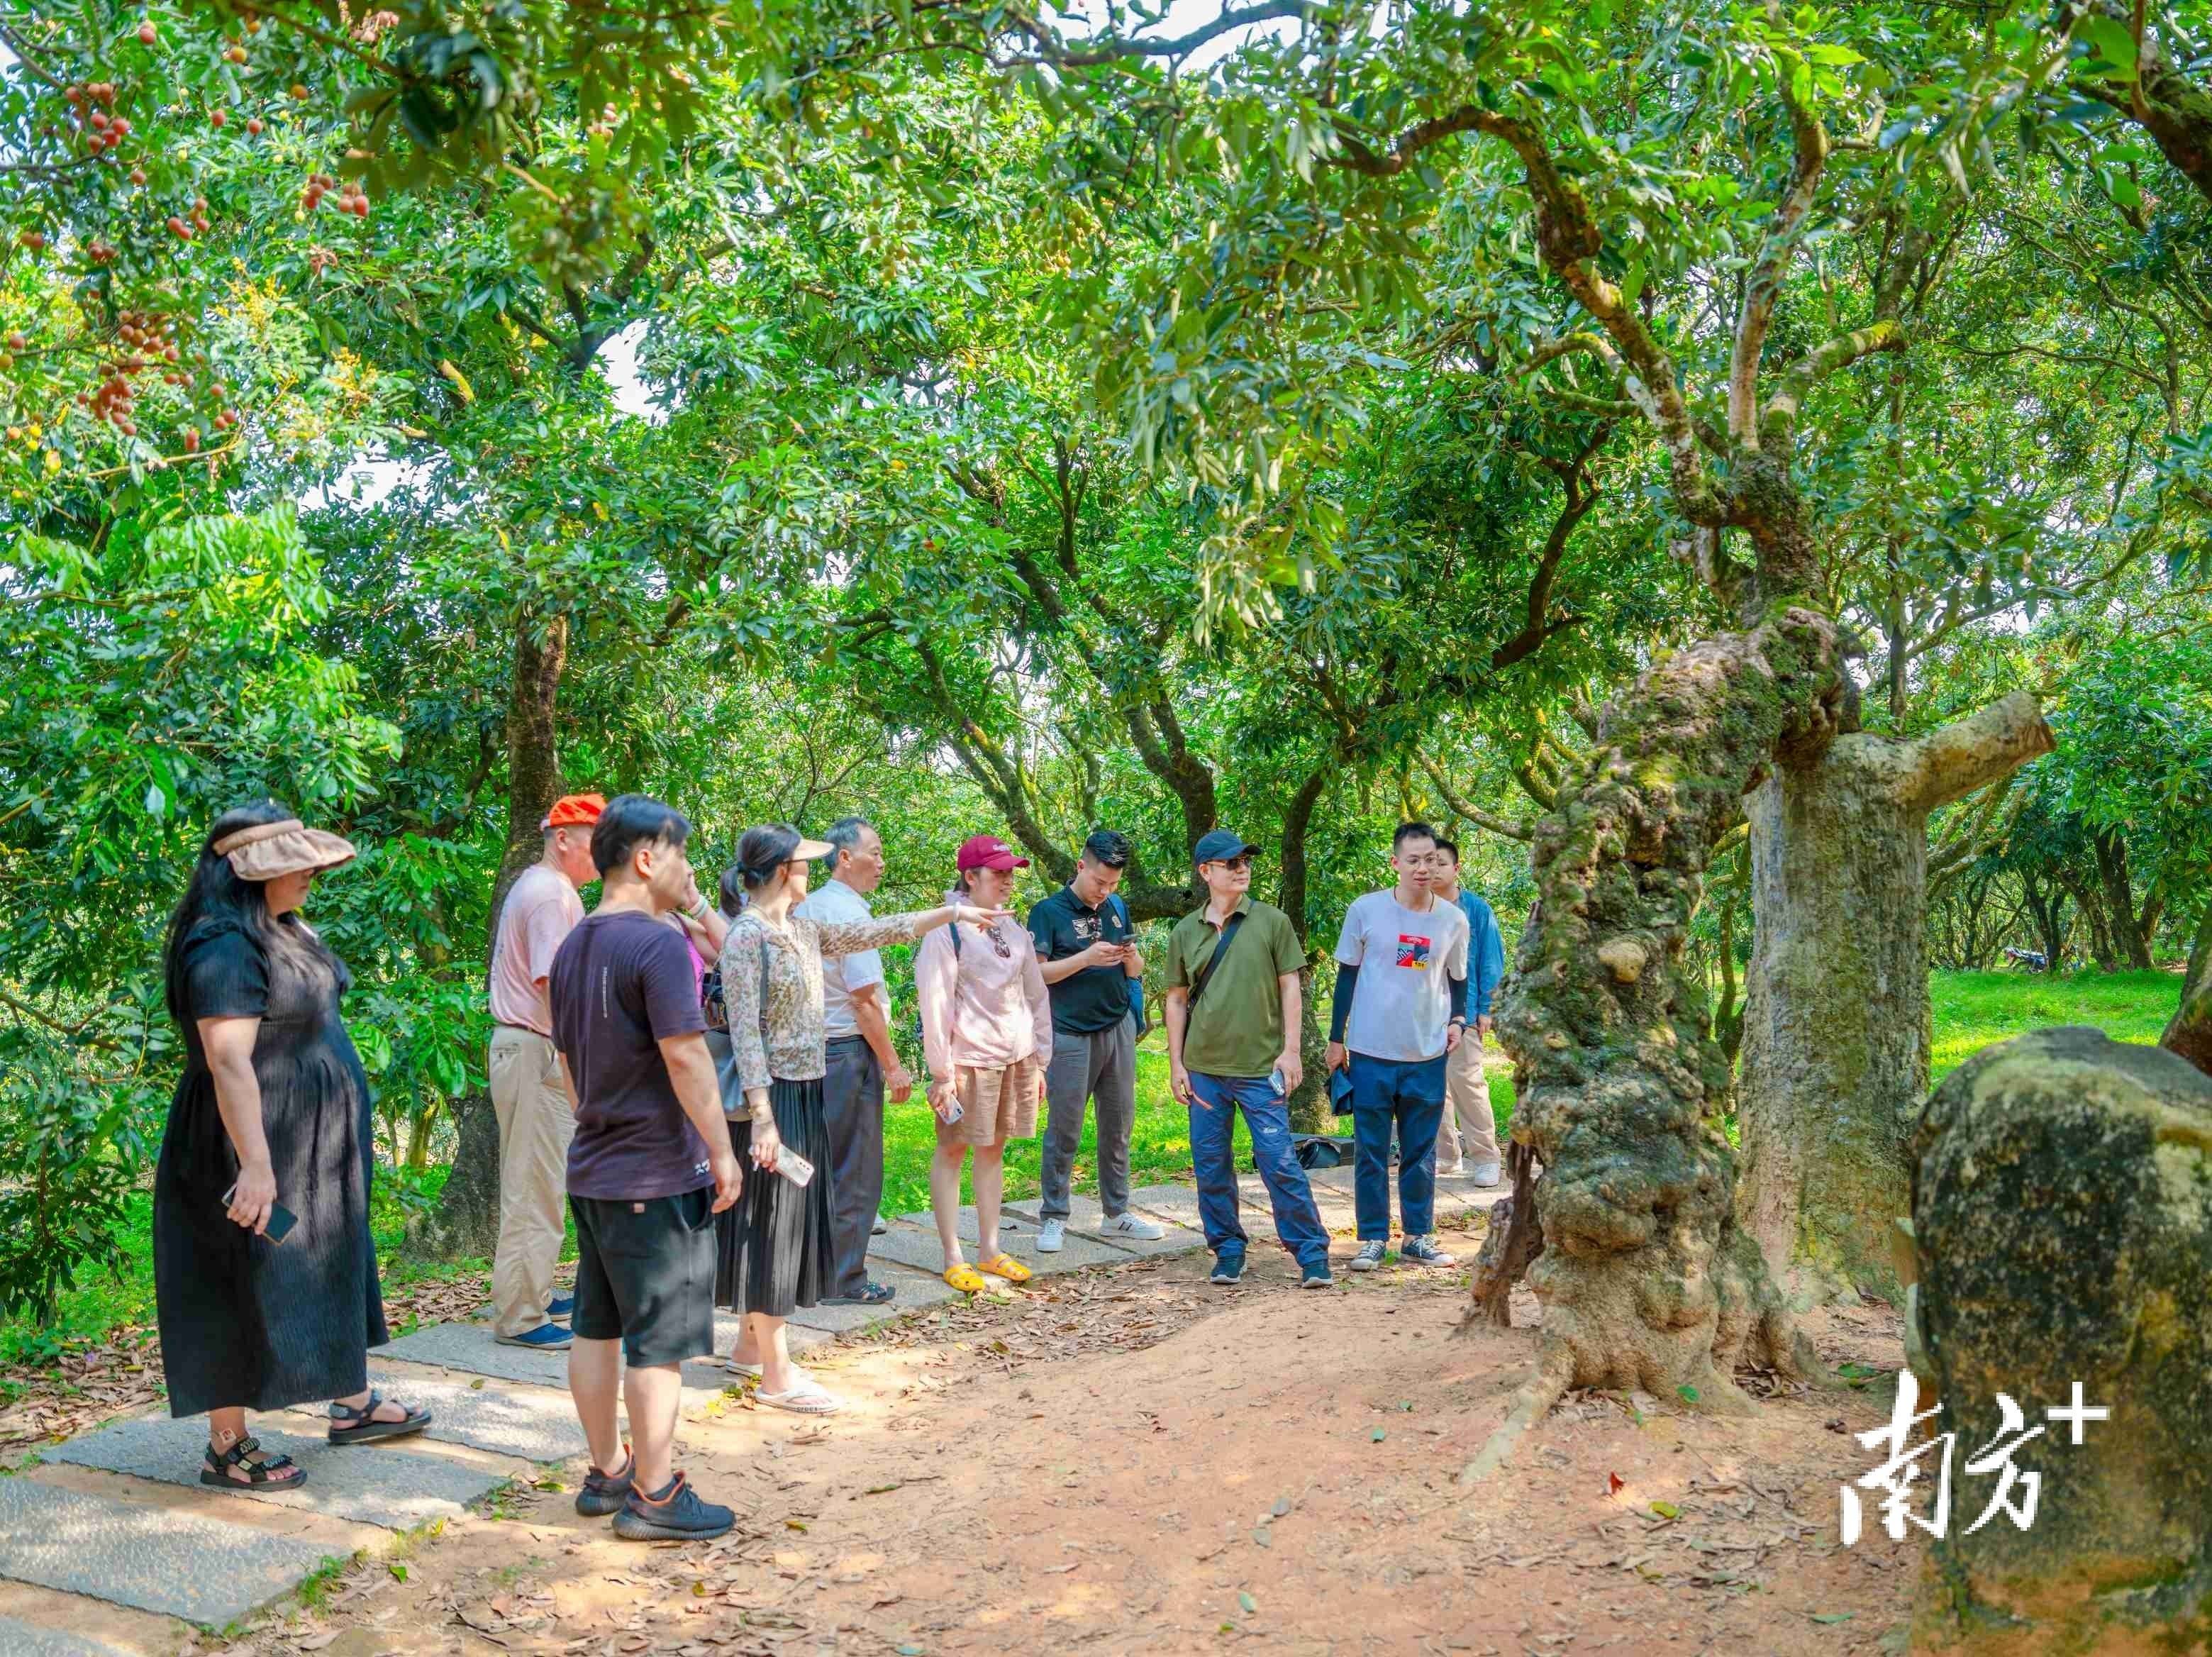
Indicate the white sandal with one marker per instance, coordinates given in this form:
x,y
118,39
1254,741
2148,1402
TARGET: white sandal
x,y
807,1398
737,1369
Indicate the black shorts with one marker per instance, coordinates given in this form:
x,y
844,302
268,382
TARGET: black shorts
x,y
645,1272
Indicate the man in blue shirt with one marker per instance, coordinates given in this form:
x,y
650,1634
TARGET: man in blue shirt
x,y
1468,1126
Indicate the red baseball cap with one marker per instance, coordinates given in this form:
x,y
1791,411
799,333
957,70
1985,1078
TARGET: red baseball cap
x,y
988,851
574,811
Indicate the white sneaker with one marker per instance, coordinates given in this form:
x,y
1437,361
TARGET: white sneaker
x,y
1486,1173
878,1228
1129,1223
1051,1234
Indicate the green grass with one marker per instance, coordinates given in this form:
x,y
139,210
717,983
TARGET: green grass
x,y
1972,1010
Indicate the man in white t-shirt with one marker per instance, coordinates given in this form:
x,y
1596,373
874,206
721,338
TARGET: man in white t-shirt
x,y
1400,1010
860,1061
535,1121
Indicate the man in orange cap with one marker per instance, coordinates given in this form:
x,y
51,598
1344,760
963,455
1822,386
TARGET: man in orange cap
x,y
535,1121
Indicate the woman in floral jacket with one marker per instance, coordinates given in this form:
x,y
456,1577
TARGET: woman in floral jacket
x,y
775,1241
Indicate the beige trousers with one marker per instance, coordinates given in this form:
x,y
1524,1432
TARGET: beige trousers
x,y
535,1127
1469,1134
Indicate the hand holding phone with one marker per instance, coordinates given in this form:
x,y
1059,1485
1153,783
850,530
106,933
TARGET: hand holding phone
x,y
793,1166
275,1224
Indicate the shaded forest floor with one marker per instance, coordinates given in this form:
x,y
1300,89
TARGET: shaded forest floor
x,y
1133,1461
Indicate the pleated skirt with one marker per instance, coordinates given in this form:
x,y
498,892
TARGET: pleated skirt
x,y
774,1240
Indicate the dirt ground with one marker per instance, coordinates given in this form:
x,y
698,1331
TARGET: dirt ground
x,y
1133,1461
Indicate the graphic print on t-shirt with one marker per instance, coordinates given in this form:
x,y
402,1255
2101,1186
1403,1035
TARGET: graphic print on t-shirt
x,y
1413,952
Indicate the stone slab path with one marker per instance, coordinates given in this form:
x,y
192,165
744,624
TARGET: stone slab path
x,y
356,1482
1085,1217
110,1547
182,1564
20,1639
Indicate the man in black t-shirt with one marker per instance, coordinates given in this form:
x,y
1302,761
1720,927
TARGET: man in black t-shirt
x,y
648,1169
1086,951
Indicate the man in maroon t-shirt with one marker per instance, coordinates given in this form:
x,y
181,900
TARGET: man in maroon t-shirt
x,y
648,1169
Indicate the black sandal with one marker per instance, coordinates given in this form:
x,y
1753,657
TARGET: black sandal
x,y
260,1470
352,1426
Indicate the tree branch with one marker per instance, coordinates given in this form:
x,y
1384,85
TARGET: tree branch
x,y
1969,753
1763,286
1823,359
1473,814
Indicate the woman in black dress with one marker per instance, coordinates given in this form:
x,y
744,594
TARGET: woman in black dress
x,y
273,1109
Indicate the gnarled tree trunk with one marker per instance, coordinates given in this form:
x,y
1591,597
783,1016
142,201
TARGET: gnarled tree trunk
x,y
1836,1025
1647,1282
465,1223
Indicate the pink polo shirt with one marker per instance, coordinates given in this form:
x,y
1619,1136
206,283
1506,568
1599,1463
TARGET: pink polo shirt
x,y
541,909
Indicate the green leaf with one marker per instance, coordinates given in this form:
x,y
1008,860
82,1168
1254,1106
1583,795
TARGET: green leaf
x,y
1665,1510
2111,39
1833,1616
1248,1603
1376,1436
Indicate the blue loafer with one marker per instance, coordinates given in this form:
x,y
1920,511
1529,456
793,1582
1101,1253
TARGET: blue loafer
x,y
546,1338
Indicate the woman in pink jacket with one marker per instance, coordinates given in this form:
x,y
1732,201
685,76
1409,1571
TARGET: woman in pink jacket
x,y
987,1032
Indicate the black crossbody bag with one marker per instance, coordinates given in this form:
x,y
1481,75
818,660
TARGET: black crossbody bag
x,y
1205,974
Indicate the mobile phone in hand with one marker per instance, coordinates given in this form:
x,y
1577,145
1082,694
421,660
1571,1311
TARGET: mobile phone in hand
x,y
281,1218
793,1166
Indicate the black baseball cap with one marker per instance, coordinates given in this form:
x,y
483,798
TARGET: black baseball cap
x,y
1219,846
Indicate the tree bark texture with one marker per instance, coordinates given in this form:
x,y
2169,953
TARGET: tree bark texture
x,y
1836,1021
1647,1282
465,1223
2189,1034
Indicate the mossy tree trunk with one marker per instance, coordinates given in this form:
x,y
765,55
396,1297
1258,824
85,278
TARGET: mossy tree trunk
x,y
1836,1024
465,1223
1646,1280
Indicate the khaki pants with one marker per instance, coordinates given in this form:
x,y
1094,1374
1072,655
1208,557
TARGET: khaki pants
x,y
535,1127
1468,1129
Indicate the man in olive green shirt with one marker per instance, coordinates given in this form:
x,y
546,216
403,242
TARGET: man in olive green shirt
x,y
1232,1015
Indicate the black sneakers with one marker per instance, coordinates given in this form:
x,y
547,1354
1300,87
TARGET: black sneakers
x,y
676,1515
604,1493
1227,1267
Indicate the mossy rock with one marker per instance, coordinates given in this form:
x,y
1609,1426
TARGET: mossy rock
x,y
2062,1205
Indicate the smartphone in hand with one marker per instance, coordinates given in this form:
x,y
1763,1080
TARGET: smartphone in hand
x,y
793,1166
281,1218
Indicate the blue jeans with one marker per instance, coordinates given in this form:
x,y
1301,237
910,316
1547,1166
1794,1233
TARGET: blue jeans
x,y
1268,1118
1410,1096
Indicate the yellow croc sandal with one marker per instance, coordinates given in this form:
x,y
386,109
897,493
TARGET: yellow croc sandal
x,y
1005,1265
963,1278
